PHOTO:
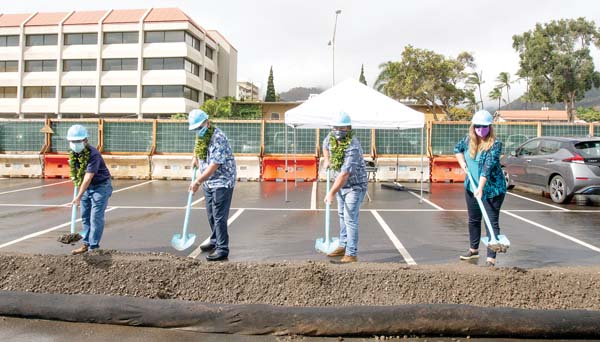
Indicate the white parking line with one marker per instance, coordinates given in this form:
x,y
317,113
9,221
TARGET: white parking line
x,y
46,231
134,186
34,187
427,201
313,197
538,202
399,246
197,251
196,202
568,237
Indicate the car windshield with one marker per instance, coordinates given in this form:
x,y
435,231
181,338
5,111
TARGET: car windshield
x,y
589,149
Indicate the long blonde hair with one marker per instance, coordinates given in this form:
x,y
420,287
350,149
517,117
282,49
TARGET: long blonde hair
x,y
478,144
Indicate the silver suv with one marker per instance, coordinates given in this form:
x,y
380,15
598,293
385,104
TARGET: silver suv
x,y
563,167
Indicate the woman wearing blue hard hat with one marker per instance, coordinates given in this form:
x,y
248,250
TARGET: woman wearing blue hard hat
x,y
344,155
90,174
218,175
479,153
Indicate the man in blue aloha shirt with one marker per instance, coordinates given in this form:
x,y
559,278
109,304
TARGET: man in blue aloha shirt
x,y
350,186
218,175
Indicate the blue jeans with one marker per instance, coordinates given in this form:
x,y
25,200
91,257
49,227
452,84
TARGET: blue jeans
x,y
218,202
349,202
93,204
492,207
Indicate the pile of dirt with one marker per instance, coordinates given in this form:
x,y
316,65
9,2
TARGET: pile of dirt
x,y
160,275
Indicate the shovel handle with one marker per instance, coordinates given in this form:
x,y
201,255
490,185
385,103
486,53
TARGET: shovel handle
x,y
74,210
488,224
188,207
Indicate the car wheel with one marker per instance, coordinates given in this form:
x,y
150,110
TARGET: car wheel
x,y
558,190
507,179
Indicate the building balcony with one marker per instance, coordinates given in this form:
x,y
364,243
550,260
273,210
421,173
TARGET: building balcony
x,y
36,105
80,52
79,78
78,105
8,105
126,77
178,49
120,51
167,105
46,78
40,52
9,79
119,105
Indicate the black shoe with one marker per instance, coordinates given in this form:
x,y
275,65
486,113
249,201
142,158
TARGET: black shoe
x,y
207,247
470,255
216,256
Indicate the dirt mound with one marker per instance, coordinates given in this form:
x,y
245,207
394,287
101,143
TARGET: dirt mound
x,y
160,275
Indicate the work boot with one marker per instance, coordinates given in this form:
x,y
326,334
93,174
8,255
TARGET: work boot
x,y
80,250
470,255
348,259
340,251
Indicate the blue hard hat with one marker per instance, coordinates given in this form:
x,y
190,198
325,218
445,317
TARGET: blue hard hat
x,y
77,132
482,117
342,119
196,118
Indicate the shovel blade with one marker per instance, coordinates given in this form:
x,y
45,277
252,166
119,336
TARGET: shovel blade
x,y
501,245
327,246
182,243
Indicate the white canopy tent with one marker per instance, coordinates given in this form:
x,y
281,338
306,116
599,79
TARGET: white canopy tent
x,y
367,108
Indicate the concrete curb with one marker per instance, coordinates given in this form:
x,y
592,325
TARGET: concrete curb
x,y
256,319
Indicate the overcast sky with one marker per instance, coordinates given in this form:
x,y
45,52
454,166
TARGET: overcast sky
x,y
292,36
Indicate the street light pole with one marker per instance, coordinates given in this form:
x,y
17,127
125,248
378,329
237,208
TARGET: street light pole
x,y
332,43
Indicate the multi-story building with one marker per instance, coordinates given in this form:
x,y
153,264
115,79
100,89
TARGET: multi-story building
x,y
116,63
247,91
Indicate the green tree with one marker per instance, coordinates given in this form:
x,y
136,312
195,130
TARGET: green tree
x,y
459,114
503,81
220,108
430,78
475,79
556,59
588,114
179,116
496,94
271,96
361,78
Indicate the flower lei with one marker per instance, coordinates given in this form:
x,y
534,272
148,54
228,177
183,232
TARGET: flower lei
x,y
82,159
338,149
201,149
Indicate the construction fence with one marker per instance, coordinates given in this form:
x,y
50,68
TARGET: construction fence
x,y
162,148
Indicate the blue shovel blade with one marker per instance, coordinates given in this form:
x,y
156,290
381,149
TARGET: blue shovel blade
x,y
500,245
184,243
327,246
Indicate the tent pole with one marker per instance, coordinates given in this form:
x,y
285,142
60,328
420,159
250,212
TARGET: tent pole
x,y
295,159
422,143
286,161
397,159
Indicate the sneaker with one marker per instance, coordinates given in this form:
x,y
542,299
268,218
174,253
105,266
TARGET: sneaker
x,y
340,251
348,259
470,255
80,250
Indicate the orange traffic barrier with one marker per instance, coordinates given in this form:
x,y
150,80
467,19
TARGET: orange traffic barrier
x,y
446,169
56,166
273,168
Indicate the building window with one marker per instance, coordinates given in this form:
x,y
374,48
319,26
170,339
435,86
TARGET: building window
x,y
208,75
165,36
209,52
8,92
192,67
40,66
39,92
171,63
109,92
41,39
274,116
78,92
9,66
79,65
121,37
208,97
116,64
170,91
9,41
81,38
192,41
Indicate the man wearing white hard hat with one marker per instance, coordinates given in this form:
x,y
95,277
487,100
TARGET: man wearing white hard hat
x,y
344,155
90,174
479,153
218,175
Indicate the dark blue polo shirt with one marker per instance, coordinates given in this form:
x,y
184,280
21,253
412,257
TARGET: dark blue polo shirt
x,y
97,166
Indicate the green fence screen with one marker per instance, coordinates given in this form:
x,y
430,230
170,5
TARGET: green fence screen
x,y
363,136
565,130
275,139
444,137
174,137
597,130
244,137
60,128
514,135
22,136
127,136
393,141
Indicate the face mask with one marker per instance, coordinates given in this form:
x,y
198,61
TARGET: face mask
x,y
76,147
202,131
339,135
482,132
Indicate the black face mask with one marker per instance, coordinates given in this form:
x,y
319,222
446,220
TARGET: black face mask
x,y
339,135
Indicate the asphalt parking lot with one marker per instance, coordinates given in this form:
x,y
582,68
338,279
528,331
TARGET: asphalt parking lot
x,y
396,226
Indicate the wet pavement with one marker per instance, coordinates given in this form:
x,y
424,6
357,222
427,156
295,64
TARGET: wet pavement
x,y
144,215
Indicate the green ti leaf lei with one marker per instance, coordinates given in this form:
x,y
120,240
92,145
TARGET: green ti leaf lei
x,y
201,149
338,150
82,159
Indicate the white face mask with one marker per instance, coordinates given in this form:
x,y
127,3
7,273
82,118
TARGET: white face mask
x,y
76,147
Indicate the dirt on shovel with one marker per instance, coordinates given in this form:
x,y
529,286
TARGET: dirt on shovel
x,y
69,238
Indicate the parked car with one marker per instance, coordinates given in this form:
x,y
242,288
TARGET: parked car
x,y
562,167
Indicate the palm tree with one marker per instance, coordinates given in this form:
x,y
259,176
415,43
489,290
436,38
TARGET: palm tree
x,y
496,94
476,79
503,81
